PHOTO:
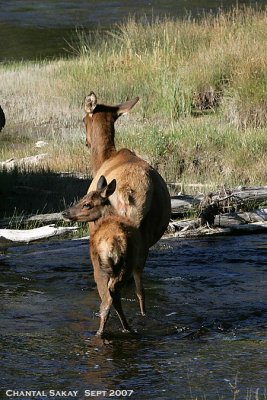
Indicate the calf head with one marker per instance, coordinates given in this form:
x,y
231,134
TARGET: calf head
x,y
93,205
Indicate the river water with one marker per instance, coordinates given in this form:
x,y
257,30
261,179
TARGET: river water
x,y
204,334
41,29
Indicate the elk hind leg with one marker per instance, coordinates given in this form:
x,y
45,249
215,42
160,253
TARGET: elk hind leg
x,y
104,312
101,280
140,292
116,297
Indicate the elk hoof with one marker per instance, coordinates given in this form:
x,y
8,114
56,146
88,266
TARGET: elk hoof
x,y
143,314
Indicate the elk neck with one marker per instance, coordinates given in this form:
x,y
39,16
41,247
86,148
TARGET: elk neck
x,y
102,145
106,211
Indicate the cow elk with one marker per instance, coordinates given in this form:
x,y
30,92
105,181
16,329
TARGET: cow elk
x,y
141,194
116,249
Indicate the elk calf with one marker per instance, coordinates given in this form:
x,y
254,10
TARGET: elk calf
x,y
115,248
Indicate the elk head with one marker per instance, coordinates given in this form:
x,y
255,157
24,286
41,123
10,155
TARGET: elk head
x,y
108,114
93,205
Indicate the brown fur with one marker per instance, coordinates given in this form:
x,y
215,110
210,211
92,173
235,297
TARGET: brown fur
x,y
116,250
141,195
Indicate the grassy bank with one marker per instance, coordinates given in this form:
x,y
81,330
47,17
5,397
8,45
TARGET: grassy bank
x,y
202,116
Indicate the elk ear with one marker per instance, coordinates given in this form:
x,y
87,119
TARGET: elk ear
x,y
102,183
123,108
109,189
90,103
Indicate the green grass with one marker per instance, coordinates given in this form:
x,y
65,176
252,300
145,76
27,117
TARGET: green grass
x,y
202,84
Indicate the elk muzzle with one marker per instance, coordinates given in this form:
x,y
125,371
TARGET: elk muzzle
x,y
68,215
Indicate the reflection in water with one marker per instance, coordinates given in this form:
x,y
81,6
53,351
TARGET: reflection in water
x,y
206,322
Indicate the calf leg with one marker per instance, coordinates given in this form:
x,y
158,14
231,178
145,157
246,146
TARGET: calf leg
x,y
101,280
104,312
116,297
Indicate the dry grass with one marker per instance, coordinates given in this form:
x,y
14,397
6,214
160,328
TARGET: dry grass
x,y
177,68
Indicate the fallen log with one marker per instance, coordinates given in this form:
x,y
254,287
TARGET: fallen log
x,y
230,224
24,220
241,218
11,163
254,193
235,198
256,227
11,237
182,204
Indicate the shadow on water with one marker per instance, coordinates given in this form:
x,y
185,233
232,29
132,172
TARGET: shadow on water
x,y
206,323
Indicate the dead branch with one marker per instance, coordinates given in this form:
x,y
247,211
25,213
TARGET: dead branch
x,y
11,237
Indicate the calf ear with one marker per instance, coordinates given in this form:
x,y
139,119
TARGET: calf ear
x,y
90,103
102,183
123,108
109,189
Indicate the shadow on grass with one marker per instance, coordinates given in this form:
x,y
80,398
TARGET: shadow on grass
x,y
25,192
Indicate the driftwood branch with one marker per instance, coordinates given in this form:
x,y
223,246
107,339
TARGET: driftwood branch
x,y
10,237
